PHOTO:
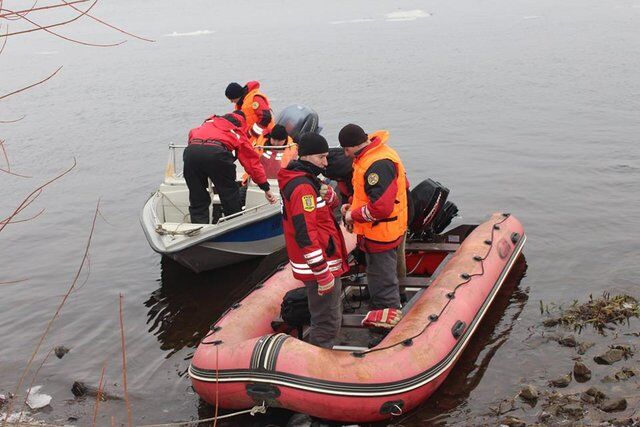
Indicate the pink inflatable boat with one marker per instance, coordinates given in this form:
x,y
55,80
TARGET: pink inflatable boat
x,y
249,359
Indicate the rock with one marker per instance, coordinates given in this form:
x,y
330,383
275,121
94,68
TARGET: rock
x,y
624,374
610,357
581,372
80,389
3,400
60,351
300,420
569,341
544,416
529,393
574,410
587,398
513,422
584,346
624,422
37,400
614,405
562,381
595,393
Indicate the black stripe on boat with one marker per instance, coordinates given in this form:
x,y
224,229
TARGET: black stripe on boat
x,y
358,389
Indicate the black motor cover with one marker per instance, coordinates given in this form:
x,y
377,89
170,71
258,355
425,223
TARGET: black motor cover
x,y
432,213
298,119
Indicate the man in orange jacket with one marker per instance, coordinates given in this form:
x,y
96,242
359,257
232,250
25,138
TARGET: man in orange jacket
x,y
378,214
255,106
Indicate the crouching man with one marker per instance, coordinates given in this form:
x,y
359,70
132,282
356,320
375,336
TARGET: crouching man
x,y
315,244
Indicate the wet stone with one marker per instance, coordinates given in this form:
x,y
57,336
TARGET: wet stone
x,y
529,393
581,372
544,416
584,346
593,391
573,410
614,405
60,351
562,381
550,322
569,341
624,374
587,398
513,422
624,422
610,357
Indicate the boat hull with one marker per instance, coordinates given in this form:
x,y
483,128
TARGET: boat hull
x,y
242,362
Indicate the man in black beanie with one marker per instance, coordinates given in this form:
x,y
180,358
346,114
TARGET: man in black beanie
x,y
255,106
378,213
315,245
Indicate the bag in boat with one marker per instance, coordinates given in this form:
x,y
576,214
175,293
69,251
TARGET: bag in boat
x,y
432,213
295,308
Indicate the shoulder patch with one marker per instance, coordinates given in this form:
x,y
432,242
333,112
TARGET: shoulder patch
x,y
308,202
373,178
255,105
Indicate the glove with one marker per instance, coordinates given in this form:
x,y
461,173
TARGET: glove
x,y
326,282
327,193
387,318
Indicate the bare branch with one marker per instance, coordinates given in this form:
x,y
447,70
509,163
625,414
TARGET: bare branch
x,y
124,365
109,25
46,28
26,219
30,86
55,315
27,199
13,282
36,9
4,43
14,174
24,13
99,394
33,380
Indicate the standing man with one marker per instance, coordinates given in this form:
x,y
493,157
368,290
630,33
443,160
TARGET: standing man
x,y
276,150
378,214
315,245
255,106
210,155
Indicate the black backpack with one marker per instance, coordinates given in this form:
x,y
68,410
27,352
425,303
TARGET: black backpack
x,y
295,308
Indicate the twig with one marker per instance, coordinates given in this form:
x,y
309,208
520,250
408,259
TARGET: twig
x,y
31,85
14,174
12,120
124,365
99,394
55,315
24,12
109,25
13,282
37,9
26,219
4,43
27,200
33,380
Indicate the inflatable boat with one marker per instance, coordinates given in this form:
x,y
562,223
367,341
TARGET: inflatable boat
x,y
250,357
255,231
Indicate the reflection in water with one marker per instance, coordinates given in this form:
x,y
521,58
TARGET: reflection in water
x,y
469,370
185,305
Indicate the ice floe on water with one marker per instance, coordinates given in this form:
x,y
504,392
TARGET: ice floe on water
x,y
189,34
37,400
352,21
47,52
407,15
532,17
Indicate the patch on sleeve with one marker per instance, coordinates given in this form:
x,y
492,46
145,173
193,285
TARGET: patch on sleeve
x,y
255,105
373,178
308,203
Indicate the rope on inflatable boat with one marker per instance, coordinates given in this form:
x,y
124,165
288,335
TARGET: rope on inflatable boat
x,y
258,409
451,295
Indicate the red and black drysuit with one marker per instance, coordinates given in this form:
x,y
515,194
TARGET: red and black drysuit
x,y
210,155
315,246
259,115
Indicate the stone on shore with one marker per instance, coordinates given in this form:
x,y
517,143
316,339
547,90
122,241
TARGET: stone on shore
x,y
529,393
581,372
610,357
614,405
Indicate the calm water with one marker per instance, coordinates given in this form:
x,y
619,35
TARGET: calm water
x,y
531,107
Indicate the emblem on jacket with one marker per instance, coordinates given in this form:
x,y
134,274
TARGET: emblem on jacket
x,y
255,105
308,203
373,178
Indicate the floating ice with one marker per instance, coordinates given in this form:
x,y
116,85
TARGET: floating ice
x,y
407,15
47,52
192,33
532,17
37,400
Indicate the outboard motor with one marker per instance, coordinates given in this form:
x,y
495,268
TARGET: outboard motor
x,y
298,119
432,213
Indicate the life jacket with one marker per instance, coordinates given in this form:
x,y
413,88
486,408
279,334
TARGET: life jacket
x,y
273,158
330,242
386,229
250,105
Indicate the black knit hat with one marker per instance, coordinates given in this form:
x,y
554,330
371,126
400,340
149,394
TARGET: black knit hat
x,y
312,143
278,132
236,118
234,91
351,135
